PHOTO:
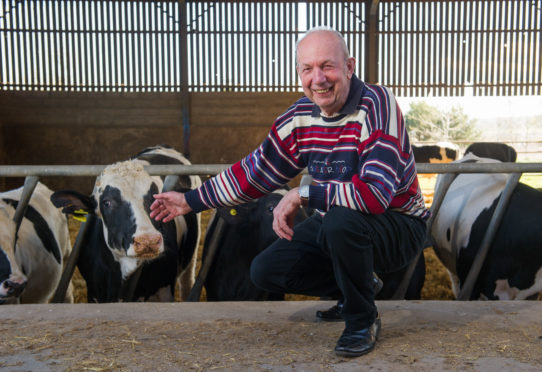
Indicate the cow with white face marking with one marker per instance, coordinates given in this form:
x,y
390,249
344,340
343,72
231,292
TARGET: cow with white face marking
x,y
31,263
513,266
123,242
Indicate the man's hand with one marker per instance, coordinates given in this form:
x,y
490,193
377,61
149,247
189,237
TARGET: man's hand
x,y
284,214
169,205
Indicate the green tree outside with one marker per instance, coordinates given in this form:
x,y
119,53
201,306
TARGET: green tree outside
x,y
427,123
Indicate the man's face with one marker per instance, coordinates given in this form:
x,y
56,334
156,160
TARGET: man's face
x,y
324,71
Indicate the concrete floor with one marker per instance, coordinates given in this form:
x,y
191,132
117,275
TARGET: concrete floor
x,y
416,335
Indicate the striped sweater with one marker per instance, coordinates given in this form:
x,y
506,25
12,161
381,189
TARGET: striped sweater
x,y
359,158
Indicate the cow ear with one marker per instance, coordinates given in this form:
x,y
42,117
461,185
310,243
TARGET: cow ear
x,y
73,202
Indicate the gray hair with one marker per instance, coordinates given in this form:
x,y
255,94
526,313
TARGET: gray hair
x,y
339,36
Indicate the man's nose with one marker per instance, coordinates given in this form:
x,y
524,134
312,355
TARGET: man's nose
x,y
318,76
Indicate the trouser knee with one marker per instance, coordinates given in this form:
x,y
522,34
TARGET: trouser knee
x,y
342,229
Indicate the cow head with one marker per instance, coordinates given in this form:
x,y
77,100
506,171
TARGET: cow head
x,y
12,278
121,201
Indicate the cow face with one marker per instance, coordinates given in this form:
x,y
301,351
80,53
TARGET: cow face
x,y
12,279
121,199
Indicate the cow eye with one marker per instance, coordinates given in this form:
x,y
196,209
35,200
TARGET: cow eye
x,y
270,208
106,203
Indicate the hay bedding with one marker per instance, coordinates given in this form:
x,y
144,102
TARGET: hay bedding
x,y
437,282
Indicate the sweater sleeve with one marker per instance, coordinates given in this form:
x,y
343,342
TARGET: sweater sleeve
x,y
266,169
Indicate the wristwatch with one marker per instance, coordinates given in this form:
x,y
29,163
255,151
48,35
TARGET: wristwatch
x,y
304,195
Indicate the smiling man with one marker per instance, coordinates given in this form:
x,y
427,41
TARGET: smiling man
x,y
370,211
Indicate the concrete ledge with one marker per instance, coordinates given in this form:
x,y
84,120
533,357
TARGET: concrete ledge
x,y
268,336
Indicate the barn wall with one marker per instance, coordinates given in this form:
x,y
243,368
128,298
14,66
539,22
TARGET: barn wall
x,y
44,128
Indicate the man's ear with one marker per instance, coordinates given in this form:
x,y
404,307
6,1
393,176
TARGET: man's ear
x,y
350,66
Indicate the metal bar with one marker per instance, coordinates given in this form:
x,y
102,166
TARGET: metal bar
x,y
211,169
30,183
195,292
494,224
69,268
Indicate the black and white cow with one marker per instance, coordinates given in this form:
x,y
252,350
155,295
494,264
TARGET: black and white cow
x,y
513,267
442,152
247,231
493,150
123,238
31,264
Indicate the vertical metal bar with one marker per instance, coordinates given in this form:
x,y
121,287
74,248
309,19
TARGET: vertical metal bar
x,y
163,25
70,46
155,50
207,42
184,79
371,44
61,37
30,183
20,51
105,36
69,268
91,35
49,45
466,290
11,64
3,49
463,66
237,44
135,80
87,47
23,59
142,18
517,51
197,47
54,57
99,53
112,45
80,46
122,66
538,44
488,49
38,45
263,45
527,49
475,59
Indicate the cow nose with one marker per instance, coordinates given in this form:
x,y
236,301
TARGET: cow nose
x,y
13,288
147,245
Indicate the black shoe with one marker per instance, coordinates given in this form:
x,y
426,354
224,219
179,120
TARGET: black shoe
x,y
334,313
356,343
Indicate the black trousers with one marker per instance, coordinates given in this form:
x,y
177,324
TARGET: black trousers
x,y
335,256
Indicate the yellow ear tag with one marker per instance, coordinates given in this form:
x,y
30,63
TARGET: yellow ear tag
x,y
80,215
233,212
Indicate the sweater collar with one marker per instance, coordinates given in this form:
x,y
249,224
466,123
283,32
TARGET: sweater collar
x,y
356,88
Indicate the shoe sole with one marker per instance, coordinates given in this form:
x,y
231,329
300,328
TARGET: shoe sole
x,y
351,354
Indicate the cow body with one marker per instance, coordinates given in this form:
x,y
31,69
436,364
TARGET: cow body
x,y
493,150
30,272
442,152
513,267
123,242
248,231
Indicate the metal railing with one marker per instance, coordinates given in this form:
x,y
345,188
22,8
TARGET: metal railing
x,y
33,172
